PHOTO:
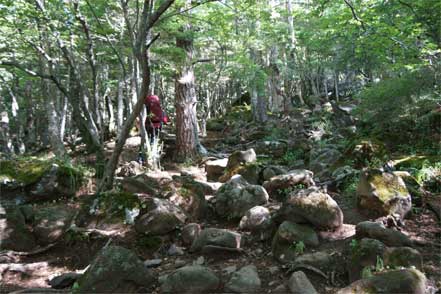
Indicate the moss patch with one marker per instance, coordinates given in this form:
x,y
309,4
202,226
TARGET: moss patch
x,y
25,171
387,188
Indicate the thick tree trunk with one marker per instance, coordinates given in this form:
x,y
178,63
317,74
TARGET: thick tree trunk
x,y
186,119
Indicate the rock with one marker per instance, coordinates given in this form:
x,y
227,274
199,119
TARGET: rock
x,y
50,223
255,218
190,232
403,257
235,197
273,269
368,252
288,234
57,182
216,237
245,280
215,169
377,231
130,169
250,172
190,279
64,280
289,180
140,184
381,193
190,196
199,261
364,254
162,217
180,263
314,207
14,234
320,260
281,289
115,270
399,281
230,269
175,250
299,283
274,148
153,262
322,159
239,158
271,171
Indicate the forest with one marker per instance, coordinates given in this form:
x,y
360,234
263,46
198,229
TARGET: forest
x,y
220,146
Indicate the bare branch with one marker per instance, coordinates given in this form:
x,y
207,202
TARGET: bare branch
x,y
354,14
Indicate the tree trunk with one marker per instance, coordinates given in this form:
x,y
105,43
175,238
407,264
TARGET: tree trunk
x,y
186,120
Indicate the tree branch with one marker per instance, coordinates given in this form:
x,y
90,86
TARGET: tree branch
x,y
354,14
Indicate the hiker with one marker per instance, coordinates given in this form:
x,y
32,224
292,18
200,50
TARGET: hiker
x,y
155,117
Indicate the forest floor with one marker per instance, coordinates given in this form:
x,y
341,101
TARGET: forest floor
x,y
75,254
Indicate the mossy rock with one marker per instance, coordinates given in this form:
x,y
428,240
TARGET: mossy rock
x,y
365,253
42,179
380,193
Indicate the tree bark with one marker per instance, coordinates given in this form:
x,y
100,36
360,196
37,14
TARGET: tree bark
x,y
186,100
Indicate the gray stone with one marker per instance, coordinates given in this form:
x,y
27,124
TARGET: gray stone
x,y
299,283
381,193
289,180
190,232
288,234
245,280
320,260
175,250
230,269
322,159
216,237
215,168
314,207
238,158
274,148
50,223
162,217
403,257
153,262
409,281
255,218
115,270
377,231
190,279
199,261
236,196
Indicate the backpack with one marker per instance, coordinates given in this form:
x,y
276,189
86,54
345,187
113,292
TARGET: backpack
x,y
155,112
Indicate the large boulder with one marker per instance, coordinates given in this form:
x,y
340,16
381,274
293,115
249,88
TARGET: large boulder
x,y
14,233
312,206
190,196
382,193
399,281
216,237
287,236
51,222
190,279
161,218
290,180
115,270
245,280
239,158
235,197
377,231
215,168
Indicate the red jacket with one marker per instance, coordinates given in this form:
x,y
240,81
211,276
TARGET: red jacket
x,y
155,115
